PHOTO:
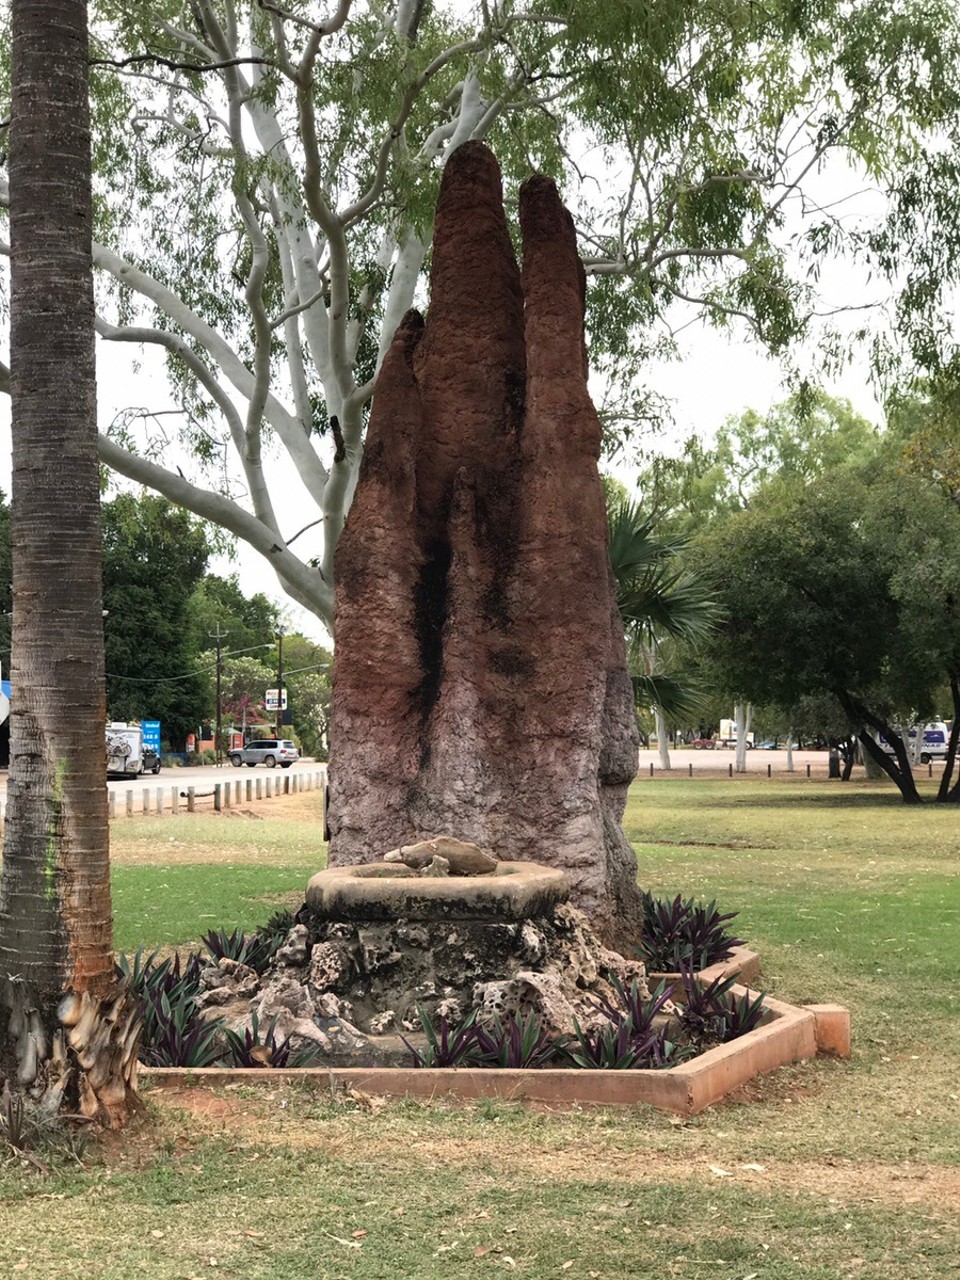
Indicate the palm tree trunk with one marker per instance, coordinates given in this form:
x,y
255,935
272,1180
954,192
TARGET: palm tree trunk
x,y
66,1031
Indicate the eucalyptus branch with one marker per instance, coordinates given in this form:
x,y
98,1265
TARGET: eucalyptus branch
x,y
723,307
180,35
666,255
295,310
496,108
172,342
304,583
290,216
220,40
176,345
327,28
294,352
286,425
137,59
284,61
407,102
262,330
306,529
333,229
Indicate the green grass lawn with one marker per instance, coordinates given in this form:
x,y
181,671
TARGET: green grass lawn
x,y
821,1170
175,878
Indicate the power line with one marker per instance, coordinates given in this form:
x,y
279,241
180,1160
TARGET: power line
x,y
197,671
184,675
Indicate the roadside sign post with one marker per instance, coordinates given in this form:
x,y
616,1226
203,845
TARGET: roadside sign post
x,y
151,735
273,701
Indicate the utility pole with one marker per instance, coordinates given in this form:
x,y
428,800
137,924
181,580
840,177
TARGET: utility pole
x,y
280,683
219,637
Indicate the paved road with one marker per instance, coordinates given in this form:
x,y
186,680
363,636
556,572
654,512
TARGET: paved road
x,y
719,761
202,778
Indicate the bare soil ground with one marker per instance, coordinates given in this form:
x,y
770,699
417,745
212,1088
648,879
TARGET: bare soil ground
x,y
273,1119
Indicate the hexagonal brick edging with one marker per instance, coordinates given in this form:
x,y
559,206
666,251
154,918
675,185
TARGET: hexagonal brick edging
x,y
741,963
789,1035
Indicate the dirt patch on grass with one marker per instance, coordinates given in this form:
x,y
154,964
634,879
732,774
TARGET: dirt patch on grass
x,y
565,1148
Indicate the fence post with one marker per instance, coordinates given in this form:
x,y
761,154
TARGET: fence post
x,y
112,804
217,801
808,769
129,803
259,788
730,769
769,771
269,788
689,770
159,799
174,799
191,799
651,768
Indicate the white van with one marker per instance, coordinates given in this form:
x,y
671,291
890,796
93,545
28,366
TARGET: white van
x,y
936,737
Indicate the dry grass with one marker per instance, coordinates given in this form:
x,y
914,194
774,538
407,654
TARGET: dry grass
x,y
263,833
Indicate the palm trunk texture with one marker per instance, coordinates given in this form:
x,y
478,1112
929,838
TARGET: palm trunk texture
x,y
66,1031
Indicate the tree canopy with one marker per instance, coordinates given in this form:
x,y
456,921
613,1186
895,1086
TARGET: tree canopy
x,y
154,557
846,584
266,177
808,435
163,613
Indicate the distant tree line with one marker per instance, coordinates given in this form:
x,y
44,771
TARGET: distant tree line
x,y
832,548
164,612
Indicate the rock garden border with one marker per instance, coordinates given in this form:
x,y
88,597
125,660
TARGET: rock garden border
x,y
790,1033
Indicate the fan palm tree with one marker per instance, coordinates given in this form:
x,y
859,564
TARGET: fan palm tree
x,y
663,606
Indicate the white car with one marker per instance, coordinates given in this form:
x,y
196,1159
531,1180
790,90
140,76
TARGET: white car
x,y
268,751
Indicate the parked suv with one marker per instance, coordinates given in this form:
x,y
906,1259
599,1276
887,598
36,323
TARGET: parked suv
x,y
268,751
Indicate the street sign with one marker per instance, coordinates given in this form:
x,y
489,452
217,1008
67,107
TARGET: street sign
x,y
271,700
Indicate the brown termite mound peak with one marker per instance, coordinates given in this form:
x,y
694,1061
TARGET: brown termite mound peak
x,y
480,681
481,700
